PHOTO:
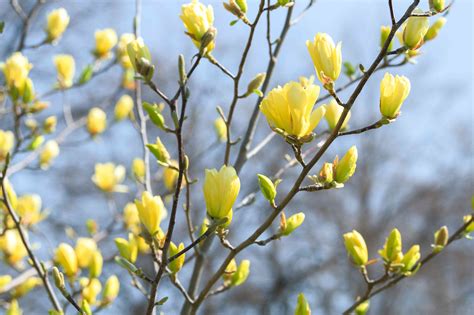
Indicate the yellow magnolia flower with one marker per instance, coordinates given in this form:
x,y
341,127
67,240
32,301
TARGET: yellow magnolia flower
x,y
293,223
150,211
434,29
143,246
65,66
96,121
220,189
170,176
356,247
49,124
127,249
415,30
12,247
333,113
49,152
16,70
28,285
241,274
198,19
290,108
65,256
158,149
410,259
57,22
105,40
11,195
326,56
302,306
123,107
221,129
138,169
393,92
29,209
345,168
95,266
122,53
178,263
111,290
4,280
90,290
14,308
131,219
108,177
7,140
85,249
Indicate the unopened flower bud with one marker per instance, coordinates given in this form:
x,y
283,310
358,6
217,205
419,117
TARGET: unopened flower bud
x,y
292,223
138,168
255,84
384,32
58,278
111,290
182,69
208,38
393,92
363,308
437,5
66,257
36,142
38,106
326,173
95,266
470,227
57,22
434,29
127,249
410,259
48,154
302,306
392,249
345,168
440,239
267,187
123,107
159,151
49,124
356,247
96,121
178,262
415,30
241,274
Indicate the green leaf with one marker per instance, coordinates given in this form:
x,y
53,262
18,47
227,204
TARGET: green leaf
x,y
162,301
155,115
86,74
232,23
2,26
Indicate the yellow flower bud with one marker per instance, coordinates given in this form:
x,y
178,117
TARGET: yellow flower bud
x,y
221,129
95,266
356,247
241,274
49,124
470,227
170,175
326,56
65,67
122,53
130,218
91,289
220,191
66,257
105,40
437,5
143,246
302,306
290,108
415,30
345,168
86,307
16,70
392,249
255,84
29,209
11,195
292,223
48,154
140,58
28,91
393,92
138,169
229,271
178,263
25,287
384,32
38,106
363,308
108,177
434,29
85,249
267,187
410,259
96,121
440,239
111,290
57,22
326,174
123,107
4,280
127,249
159,151
7,140
14,308
12,247
198,19
333,113
150,211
